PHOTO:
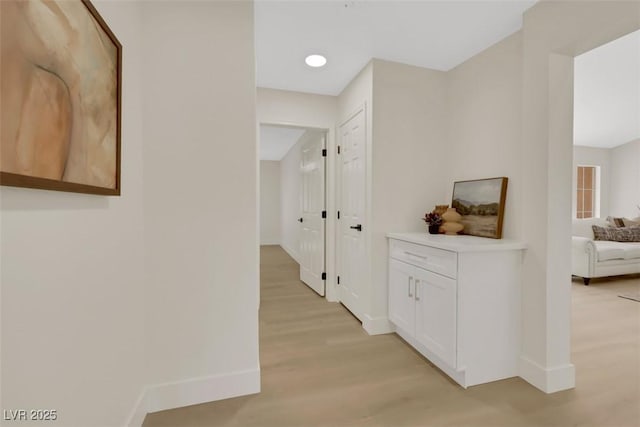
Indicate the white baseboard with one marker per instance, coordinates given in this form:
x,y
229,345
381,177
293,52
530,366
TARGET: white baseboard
x,y
194,391
293,254
200,390
377,325
549,380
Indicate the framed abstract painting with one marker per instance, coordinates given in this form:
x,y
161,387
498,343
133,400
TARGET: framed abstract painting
x,y
481,204
61,87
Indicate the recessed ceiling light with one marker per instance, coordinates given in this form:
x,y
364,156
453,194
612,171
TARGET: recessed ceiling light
x,y
315,61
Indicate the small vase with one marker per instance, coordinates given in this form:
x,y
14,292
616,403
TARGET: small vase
x,y
440,209
451,224
434,229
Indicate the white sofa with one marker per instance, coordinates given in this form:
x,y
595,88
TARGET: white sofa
x,y
598,258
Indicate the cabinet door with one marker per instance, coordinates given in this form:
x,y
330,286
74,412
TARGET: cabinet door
x,y
401,296
435,297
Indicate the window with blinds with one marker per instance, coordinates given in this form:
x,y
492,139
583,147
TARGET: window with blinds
x,y
586,192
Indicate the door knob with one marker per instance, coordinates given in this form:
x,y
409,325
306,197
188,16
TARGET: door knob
x,y
300,220
356,227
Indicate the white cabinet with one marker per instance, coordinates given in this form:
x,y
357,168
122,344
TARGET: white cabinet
x,y
456,299
436,314
402,310
423,304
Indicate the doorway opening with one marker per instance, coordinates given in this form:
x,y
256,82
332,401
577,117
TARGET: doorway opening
x,y
605,189
606,159
293,198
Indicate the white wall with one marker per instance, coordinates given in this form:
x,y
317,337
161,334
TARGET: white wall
x,y
200,201
290,202
591,156
103,296
625,180
358,92
484,123
307,110
619,177
269,202
409,167
73,291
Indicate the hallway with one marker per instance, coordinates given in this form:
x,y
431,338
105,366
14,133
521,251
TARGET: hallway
x,y
320,368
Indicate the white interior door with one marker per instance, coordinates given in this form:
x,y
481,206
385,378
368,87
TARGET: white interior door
x,y
312,223
351,238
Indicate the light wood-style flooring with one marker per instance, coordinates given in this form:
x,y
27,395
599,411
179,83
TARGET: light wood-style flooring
x,y
320,368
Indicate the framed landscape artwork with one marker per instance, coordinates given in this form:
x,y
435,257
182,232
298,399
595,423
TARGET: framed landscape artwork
x,y
60,79
481,204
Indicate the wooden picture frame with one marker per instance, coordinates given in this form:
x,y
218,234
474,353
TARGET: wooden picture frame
x,y
481,203
64,135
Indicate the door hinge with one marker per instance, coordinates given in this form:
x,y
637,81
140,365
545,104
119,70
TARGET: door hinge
x,y
324,152
338,214
324,276
338,280
338,149
324,214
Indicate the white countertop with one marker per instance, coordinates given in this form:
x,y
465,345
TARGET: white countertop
x,y
459,243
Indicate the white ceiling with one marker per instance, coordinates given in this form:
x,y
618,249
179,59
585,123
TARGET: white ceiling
x,y
607,94
426,33
276,141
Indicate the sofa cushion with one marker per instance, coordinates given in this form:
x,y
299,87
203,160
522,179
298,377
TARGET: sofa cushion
x,y
632,251
609,250
582,227
615,234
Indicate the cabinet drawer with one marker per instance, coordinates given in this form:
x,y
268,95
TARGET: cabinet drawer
x,y
431,259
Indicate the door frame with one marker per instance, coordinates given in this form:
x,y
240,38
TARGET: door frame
x,y
330,199
367,223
